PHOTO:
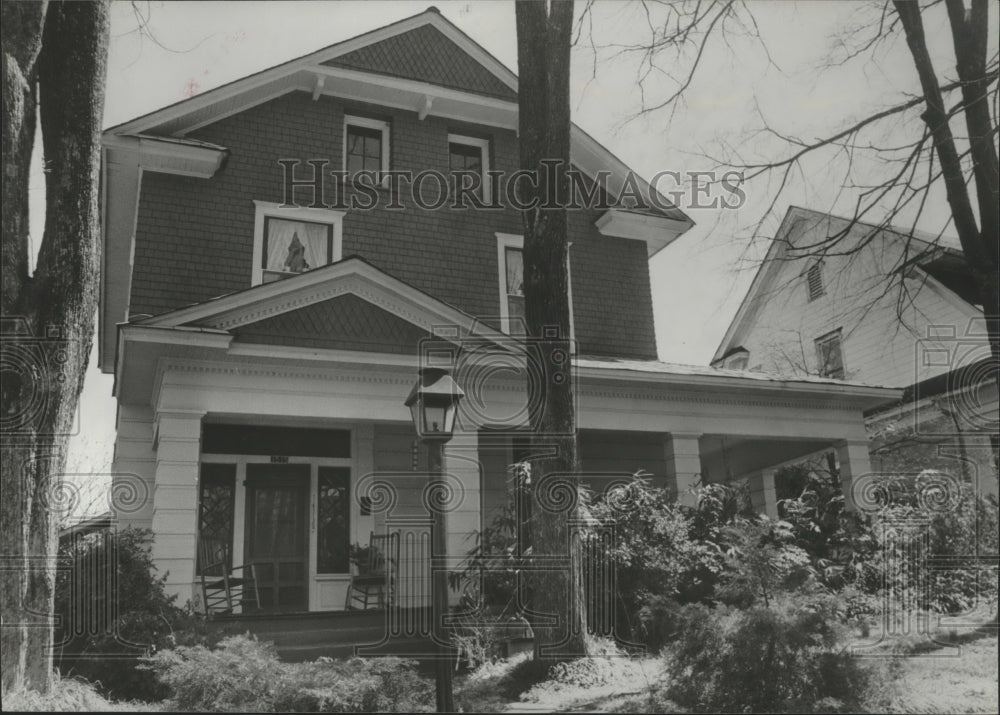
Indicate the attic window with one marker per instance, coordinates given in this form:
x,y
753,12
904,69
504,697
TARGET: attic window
x,y
814,279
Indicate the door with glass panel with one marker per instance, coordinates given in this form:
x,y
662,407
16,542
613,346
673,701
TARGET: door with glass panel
x,y
277,534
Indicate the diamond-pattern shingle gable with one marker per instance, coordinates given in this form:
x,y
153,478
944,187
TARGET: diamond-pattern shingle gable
x,y
343,323
425,54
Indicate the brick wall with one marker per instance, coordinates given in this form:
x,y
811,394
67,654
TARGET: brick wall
x,y
194,237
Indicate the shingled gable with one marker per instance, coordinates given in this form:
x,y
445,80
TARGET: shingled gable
x,y
344,323
352,303
425,54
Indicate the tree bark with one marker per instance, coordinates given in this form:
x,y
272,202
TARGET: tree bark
x,y
48,317
543,41
980,243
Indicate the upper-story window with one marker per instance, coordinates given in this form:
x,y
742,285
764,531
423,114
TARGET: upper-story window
x,y
366,147
510,257
830,355
814,281
289,241
471,154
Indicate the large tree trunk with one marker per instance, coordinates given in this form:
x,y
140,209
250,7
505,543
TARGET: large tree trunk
x,y
543,42
48,317
980,240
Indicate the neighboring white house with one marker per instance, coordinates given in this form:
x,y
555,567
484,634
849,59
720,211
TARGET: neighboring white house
x,y
882,307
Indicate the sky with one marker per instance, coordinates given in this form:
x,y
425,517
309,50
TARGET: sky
x,y
161,53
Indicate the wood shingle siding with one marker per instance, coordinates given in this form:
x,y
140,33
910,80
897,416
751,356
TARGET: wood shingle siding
x,y
194,237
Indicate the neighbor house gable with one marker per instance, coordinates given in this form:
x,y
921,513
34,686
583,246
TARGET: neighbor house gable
x,y
864,310
799,222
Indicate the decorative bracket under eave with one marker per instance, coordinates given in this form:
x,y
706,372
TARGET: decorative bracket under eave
x,y
428,101
318,87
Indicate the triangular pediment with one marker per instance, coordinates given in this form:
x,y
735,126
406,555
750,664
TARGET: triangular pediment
x,y
425,54
345,305
347,322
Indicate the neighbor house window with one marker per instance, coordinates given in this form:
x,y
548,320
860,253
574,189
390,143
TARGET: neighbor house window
x,y
830,355
333,521
510,257
366,148
469,154
216,501
814,281
293,240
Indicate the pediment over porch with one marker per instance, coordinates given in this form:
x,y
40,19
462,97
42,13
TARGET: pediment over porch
x,y
350,304
347,322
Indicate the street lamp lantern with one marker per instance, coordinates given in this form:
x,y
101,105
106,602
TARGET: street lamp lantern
x,y
433,403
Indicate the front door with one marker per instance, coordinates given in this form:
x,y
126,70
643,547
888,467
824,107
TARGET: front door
x,y
277,536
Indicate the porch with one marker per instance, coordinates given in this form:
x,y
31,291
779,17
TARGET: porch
x,y
292,462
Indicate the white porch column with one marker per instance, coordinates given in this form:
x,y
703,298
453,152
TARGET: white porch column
x,y
175,499
683,460
854,461
770,495
461,460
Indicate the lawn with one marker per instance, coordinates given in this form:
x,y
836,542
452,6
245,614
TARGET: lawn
x,y
962,680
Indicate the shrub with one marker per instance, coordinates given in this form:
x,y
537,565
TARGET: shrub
x,y
243,674
146,619
782,658
654,551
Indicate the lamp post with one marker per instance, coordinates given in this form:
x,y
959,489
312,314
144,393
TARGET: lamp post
x,y
433,402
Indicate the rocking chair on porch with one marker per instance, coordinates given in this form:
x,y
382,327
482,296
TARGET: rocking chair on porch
x,y
375,583
220,590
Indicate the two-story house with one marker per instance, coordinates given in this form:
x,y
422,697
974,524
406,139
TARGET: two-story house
x,y
883,307
262,351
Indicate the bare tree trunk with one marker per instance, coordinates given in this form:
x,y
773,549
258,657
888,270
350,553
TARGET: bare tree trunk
x,y
980,242
543,41
48,318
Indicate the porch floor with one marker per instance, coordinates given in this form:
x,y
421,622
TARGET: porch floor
x,y
333,634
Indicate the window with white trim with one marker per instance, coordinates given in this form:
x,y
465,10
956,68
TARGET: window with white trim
x,y
510,259
471,154
366,148
830,355
814,281
293,240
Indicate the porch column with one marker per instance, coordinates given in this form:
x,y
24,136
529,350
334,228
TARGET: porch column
x,y
175,499
770,495
854,461
461,461
683,461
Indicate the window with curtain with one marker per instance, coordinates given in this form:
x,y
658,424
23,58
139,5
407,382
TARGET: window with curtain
x,y
292,247
514,260
333,520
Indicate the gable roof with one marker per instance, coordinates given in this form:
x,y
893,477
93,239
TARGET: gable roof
x,y
422,63
928,246
428,55
185,115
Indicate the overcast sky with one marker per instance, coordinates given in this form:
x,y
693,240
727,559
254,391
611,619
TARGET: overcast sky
x,y
698,282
